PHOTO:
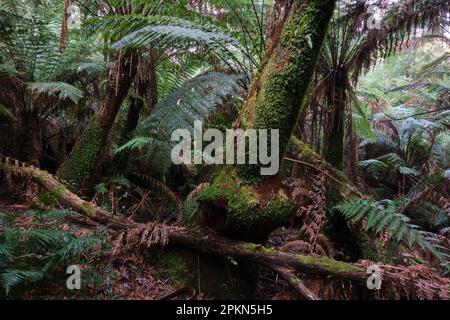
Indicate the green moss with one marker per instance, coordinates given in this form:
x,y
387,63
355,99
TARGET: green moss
x,y
313,261
88,208
243,201
330,264
51,197
227,186
301,150
283,83
278,209
83,158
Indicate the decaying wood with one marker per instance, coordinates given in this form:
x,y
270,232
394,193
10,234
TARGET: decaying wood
x,y
289,276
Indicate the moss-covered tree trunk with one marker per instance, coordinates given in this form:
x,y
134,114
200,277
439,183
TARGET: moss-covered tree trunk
x,y
240,196
82,161
277,95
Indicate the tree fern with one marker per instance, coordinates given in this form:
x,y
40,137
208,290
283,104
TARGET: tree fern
x,y
30,255
195,100
14,277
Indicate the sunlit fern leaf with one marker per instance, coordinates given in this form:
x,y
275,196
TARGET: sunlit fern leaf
x,y
61,89
362,127
182,35
408,171
134,143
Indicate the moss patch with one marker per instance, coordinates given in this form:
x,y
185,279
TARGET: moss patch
x,y
243,202
51,198
171,266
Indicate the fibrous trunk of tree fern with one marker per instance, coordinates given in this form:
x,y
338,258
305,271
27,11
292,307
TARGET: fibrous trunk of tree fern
x,y
239,198
82,161
335,127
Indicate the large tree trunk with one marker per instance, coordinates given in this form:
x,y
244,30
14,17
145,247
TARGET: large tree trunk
x,y
239,196
276,96
82,161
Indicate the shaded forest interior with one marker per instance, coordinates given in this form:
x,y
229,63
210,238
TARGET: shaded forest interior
x,y
91,92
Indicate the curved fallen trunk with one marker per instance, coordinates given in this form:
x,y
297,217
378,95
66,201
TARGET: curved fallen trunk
x,y
208,243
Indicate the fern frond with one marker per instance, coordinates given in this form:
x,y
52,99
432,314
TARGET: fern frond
x,y
183,36
195,100
61,89
75,246
383,216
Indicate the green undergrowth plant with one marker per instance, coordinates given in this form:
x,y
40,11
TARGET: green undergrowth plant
x,y
384,217
40,252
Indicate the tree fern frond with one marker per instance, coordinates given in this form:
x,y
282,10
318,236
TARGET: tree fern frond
x,y
195,100
383,216
428,182
134,143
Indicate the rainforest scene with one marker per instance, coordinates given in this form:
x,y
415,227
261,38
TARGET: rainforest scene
x,y
224,150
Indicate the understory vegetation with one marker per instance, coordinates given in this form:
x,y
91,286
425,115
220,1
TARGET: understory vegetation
x,y
92,90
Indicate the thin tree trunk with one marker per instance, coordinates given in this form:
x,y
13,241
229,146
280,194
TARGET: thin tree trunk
x,y
64,29
274,102
335,127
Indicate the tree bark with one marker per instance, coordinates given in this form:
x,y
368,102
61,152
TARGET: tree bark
x,y
274,102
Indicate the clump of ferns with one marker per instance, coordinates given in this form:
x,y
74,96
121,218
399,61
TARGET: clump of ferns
x,y
31,256
383,218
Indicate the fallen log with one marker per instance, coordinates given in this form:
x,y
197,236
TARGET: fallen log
x,y
209,243
284,263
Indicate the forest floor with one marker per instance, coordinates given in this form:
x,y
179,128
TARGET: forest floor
x,y
133,275
124,278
